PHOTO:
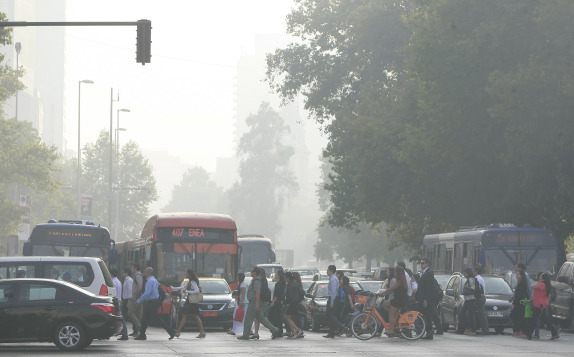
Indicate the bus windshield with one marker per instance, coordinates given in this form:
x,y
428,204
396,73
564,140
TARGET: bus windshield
x,y
503,259
254,253
172,265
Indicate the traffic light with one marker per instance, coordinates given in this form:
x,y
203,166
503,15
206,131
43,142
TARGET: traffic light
x,y
143,50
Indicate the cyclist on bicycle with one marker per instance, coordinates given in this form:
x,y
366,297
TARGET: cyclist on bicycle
x,y
398,297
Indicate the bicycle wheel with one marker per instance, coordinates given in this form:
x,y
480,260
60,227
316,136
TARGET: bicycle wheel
x,y
364,326
415,330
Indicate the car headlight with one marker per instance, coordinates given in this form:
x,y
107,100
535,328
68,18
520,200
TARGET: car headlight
x,y
232,304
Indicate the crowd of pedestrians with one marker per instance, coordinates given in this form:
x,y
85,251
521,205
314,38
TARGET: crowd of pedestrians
x,y
283,310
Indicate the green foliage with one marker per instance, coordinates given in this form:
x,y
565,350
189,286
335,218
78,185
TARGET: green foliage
x,y
196,192
439,113
134,187
27,162
266,181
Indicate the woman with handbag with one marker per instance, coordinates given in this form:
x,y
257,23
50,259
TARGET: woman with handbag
x,y
518,308
193,296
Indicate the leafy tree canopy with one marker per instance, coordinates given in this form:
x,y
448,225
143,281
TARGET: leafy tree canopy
x,y
196,192
439,113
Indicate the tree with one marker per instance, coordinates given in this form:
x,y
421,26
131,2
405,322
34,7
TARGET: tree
x,y
196,192
134,186
439,114
266,181
26,162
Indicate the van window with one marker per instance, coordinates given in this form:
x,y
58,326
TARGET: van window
x,y
18,270
80,274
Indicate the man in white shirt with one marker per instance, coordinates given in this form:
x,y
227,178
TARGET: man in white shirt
x,y
118,286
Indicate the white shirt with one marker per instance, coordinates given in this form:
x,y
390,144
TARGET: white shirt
x,y
127,288
481,282
409,283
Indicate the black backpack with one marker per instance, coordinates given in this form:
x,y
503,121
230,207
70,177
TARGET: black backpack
x,y
438,293
265,294
478,290
161,292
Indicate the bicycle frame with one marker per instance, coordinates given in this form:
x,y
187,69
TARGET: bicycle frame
x,y
410,324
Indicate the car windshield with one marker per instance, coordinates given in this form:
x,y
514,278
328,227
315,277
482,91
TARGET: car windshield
x,y
322,290
214,287
496,286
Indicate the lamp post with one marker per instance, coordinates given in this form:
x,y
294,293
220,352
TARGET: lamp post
x,y
18,47
87,81
117,192
117,134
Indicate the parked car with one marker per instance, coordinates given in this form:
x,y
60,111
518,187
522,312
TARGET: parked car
x,y
46,310
497,307
510,278
217,306
562,306
89,273
316,305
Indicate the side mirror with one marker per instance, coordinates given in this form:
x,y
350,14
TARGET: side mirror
x,y
450,292
235,293
309,296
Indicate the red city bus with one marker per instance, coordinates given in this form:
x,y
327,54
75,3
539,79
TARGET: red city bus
x,y
171,243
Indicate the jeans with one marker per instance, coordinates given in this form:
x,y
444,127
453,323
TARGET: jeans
x,y
467,314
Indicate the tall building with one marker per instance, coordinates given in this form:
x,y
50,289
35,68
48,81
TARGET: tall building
x,y
42,58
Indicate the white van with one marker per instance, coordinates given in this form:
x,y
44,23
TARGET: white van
x,y
89,273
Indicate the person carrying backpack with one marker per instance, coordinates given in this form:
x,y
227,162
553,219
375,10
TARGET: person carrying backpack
x,y
150,301
259,296
480,300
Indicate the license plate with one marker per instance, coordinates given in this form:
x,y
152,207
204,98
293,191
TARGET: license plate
x,y
210,313
495,313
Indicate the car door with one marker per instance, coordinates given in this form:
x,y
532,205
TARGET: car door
x,y
447,303
563,291
35,308
6,319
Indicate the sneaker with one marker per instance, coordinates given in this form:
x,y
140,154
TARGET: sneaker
x,y
329,336
555,337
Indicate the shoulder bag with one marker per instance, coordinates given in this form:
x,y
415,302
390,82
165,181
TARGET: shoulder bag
x,y
195,298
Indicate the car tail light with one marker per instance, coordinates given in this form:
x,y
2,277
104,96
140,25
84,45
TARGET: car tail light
x,y
105,307
104,290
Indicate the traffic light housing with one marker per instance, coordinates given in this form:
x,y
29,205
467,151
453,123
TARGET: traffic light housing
x,y
143,49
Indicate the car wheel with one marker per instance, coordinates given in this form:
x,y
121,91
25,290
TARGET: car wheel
x,y
70,336
499,330
315,327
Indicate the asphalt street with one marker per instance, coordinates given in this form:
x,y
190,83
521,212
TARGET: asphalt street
x,y
218,343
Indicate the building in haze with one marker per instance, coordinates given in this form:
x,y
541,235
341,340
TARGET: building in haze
x,y
42,57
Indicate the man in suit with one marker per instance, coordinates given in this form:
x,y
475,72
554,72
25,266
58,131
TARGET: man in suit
x,y
426,297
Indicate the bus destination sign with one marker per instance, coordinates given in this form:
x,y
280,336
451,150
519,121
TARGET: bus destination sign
x,y
195,234
188,232
519,239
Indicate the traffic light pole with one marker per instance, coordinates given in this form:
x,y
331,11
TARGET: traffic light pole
x,y
143,49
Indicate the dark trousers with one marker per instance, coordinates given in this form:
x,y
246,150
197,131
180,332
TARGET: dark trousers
x,y
334,323
124,310
537,315
150,314
430,315
482,321
467,314
275,316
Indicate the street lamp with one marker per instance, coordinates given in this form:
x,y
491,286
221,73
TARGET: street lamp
x,y
87,81
18,47
117,193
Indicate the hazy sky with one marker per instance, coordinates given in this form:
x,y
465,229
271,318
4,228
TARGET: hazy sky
x,y
182,102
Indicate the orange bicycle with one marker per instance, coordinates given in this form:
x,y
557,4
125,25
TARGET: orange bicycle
x,y
365,325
